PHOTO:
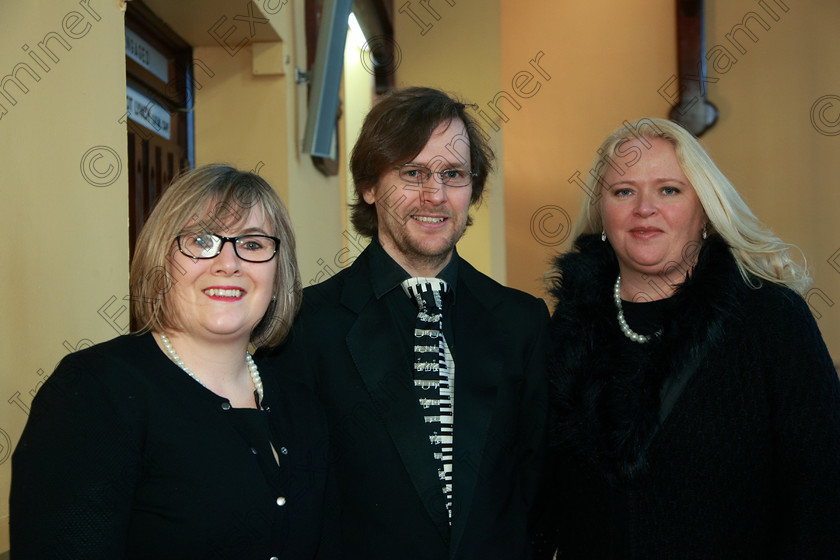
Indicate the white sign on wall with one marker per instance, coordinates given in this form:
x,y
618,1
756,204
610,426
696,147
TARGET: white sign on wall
x,y
145,111
145,55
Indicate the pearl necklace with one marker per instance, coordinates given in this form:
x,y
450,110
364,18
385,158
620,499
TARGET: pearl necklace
x,y
252,368
622,322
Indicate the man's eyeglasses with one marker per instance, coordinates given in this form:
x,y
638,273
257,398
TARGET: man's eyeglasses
x,y
251,248
416,173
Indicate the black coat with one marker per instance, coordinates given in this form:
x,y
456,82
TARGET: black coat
x,y
345,341
743,462
124,456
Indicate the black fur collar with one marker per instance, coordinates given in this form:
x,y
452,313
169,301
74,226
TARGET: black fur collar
x,y
605,397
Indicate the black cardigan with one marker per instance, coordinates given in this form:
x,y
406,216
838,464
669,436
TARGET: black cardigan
x,y
125,456
747,462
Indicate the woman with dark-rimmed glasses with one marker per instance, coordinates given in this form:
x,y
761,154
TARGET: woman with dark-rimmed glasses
x,y
167,442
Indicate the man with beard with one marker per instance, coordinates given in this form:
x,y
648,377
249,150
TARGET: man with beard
x,y
431,373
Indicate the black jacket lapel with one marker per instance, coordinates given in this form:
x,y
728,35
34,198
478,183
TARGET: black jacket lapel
x,y
375,349
477,374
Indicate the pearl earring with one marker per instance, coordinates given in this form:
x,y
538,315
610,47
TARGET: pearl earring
x,y
704,233
603,235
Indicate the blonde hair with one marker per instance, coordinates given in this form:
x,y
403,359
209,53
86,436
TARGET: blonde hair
x,y
214,198
756,250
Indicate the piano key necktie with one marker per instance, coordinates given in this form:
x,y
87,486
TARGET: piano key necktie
x,y
432,377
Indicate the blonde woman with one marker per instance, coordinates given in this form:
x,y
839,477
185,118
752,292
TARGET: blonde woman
x,y
695,408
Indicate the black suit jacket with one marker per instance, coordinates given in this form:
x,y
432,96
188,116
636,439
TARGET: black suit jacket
x,y
392,502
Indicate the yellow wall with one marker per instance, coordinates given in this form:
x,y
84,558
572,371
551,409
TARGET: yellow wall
x,y
315,201
766,141
65,249
358,97
248,119
605,64
240,118
460,53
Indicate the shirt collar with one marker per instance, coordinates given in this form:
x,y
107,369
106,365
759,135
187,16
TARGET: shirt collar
x,y
386,274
